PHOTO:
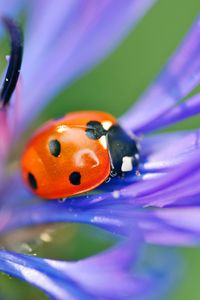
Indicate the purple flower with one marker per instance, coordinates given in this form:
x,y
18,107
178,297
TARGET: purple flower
x,y
164,201
55,34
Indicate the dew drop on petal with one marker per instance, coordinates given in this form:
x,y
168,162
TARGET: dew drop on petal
x,y
137,173
116,194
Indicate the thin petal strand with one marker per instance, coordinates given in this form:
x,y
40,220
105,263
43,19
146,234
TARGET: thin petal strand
x,y
180,76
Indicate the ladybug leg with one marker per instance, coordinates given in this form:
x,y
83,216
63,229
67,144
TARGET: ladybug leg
x,y
62,200
123,151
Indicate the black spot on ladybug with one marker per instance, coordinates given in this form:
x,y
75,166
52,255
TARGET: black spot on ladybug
x,y
32,181
54,147
75,178
95,130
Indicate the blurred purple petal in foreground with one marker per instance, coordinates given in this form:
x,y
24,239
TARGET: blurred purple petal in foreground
x,y
67,40
104,276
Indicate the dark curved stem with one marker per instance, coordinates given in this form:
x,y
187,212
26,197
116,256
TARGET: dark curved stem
x,y
15,61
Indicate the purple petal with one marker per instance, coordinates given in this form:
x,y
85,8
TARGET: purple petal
x,y
4,134
172,226
162,151
171,187
162,157
180,76
10,7
183,111
104,276
18,194
71,38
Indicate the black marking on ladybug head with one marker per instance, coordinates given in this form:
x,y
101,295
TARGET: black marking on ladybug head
x,y
123,150
54,147
75,178
32,181
95,130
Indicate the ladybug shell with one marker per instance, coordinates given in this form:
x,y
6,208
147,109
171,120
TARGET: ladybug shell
x,y
68,156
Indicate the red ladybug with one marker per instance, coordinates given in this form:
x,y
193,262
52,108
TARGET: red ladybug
x,y
77,153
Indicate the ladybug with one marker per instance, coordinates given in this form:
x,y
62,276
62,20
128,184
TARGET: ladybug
x,y
77,153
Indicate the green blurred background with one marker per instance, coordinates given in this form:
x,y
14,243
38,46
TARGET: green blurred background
x,y
113,86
